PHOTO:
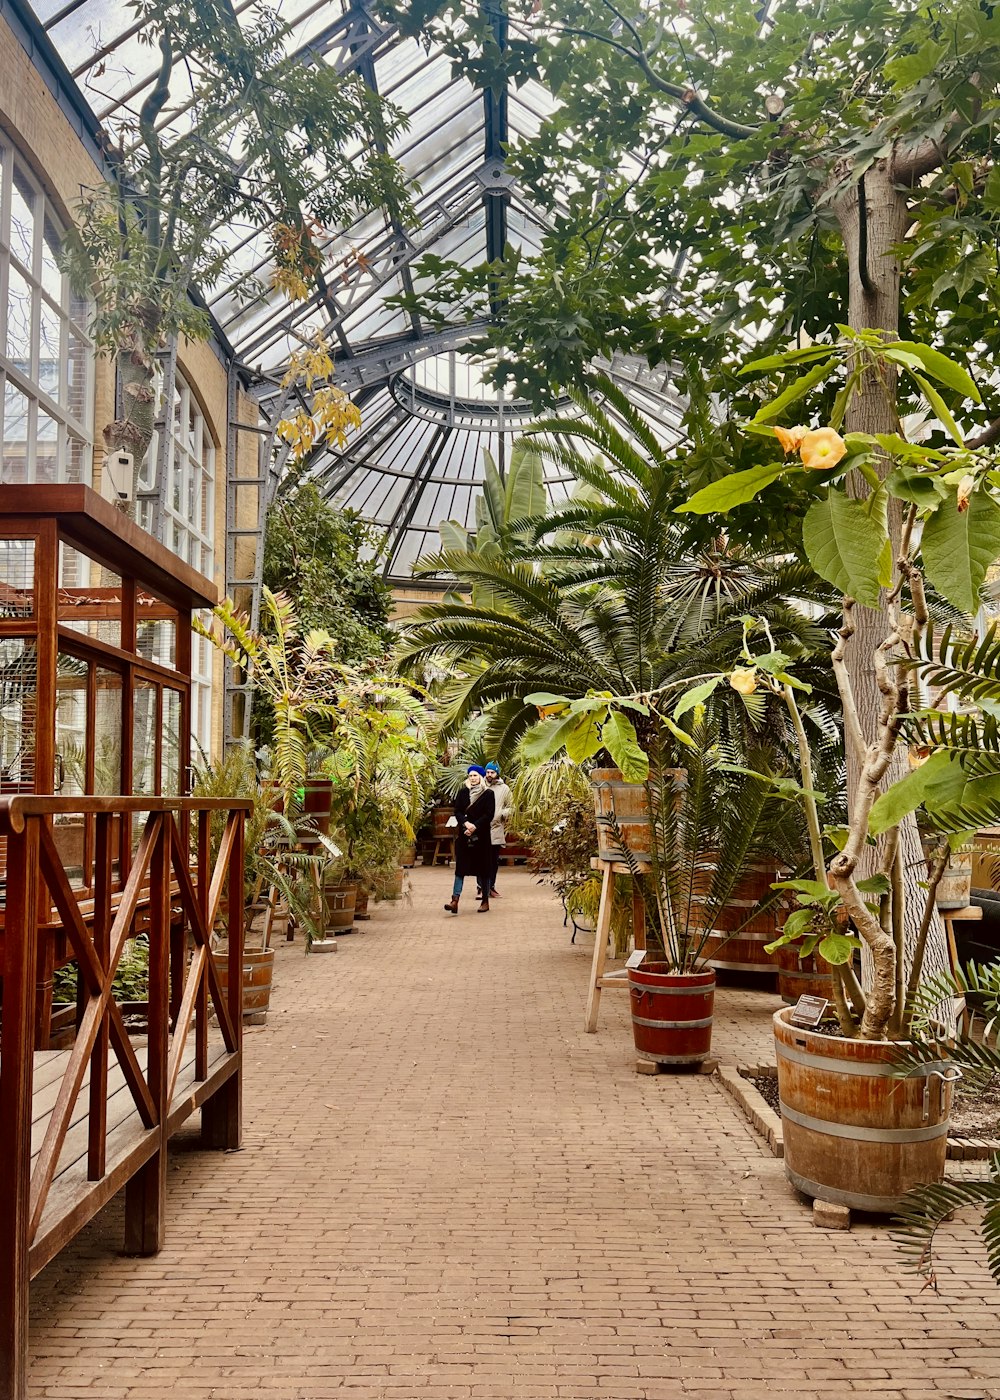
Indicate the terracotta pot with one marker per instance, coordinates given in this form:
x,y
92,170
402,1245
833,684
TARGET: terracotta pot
x,y
671,1013
361,903
854,1132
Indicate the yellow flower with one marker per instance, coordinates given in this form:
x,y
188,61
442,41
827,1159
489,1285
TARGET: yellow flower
x,y
965,489
743,680
790,438
822,448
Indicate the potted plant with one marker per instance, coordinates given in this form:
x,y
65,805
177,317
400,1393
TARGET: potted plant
x,y
853,1134
379,768
701,824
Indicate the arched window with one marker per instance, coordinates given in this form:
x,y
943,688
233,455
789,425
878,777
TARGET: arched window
x,y
46,356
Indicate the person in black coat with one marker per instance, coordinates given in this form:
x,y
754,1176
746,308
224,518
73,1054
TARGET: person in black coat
x,y
474,810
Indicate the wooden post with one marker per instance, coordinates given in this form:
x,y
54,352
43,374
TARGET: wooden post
x,y
16,1073
599,980
203,875
145,1193
103,856
222,1114
601,936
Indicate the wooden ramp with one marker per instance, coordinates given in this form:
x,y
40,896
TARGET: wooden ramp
x,y
73,1197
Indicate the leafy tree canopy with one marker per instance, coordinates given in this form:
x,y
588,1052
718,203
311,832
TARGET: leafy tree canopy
x,y
701,168
315,553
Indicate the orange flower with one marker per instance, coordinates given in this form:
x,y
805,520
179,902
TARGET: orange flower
x,y
965,489
743,680
790,438
822,448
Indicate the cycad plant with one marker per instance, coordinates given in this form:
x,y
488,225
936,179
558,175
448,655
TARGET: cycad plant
x,y
608,592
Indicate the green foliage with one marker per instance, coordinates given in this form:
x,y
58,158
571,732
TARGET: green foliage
x,y
265,141
724,224
273,866
297,674
708,820
974,1057
326,560
605,594
381,765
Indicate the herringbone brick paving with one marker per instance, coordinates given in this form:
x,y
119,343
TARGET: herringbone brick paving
x,y
448,1190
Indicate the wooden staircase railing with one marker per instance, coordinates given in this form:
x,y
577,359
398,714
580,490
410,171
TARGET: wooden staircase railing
x,y
180,905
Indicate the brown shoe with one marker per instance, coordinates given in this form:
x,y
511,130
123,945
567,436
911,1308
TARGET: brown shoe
x,y
484,908
452,906
494,894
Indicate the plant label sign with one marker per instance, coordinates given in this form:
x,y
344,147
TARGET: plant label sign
x,y
635,958
808,1011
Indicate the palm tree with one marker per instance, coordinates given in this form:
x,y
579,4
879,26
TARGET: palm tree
x,y
606,592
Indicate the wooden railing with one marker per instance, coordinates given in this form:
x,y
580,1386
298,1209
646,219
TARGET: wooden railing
x,y
49,1190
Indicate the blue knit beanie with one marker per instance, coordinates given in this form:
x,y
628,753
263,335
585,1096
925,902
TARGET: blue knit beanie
x,y
475,768
492,768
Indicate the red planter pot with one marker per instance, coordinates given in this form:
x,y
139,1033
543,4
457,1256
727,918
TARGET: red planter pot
x,y
671,1013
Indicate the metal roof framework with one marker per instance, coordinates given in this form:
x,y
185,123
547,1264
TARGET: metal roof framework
x,y
427,410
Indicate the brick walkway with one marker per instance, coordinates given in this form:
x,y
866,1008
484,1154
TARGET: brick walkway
x,y
448,1190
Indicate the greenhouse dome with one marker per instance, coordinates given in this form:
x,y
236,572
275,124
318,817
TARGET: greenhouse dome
x,y
427,414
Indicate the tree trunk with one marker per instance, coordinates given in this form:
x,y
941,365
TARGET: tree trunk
x,y
135,367
876,306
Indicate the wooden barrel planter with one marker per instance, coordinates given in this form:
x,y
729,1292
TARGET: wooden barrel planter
x,y
626,803
671,1013
316,802
799,977
854,1133
440,817
338,906
954,889
258,972
743,952
361,911
409,857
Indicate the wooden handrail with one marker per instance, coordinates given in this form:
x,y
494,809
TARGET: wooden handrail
x,y
14,810
181,894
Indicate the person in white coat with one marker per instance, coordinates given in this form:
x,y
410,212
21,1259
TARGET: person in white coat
x,y
504,810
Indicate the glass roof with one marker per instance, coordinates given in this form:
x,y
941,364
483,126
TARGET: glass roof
x,y
417,458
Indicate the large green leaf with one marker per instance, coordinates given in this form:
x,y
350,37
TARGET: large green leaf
x,y
697,695
453,535
794,392
547,737
493,492
941,779
584,739
937,403
845,543
732,490
525,494
621,743
958,548
941,368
